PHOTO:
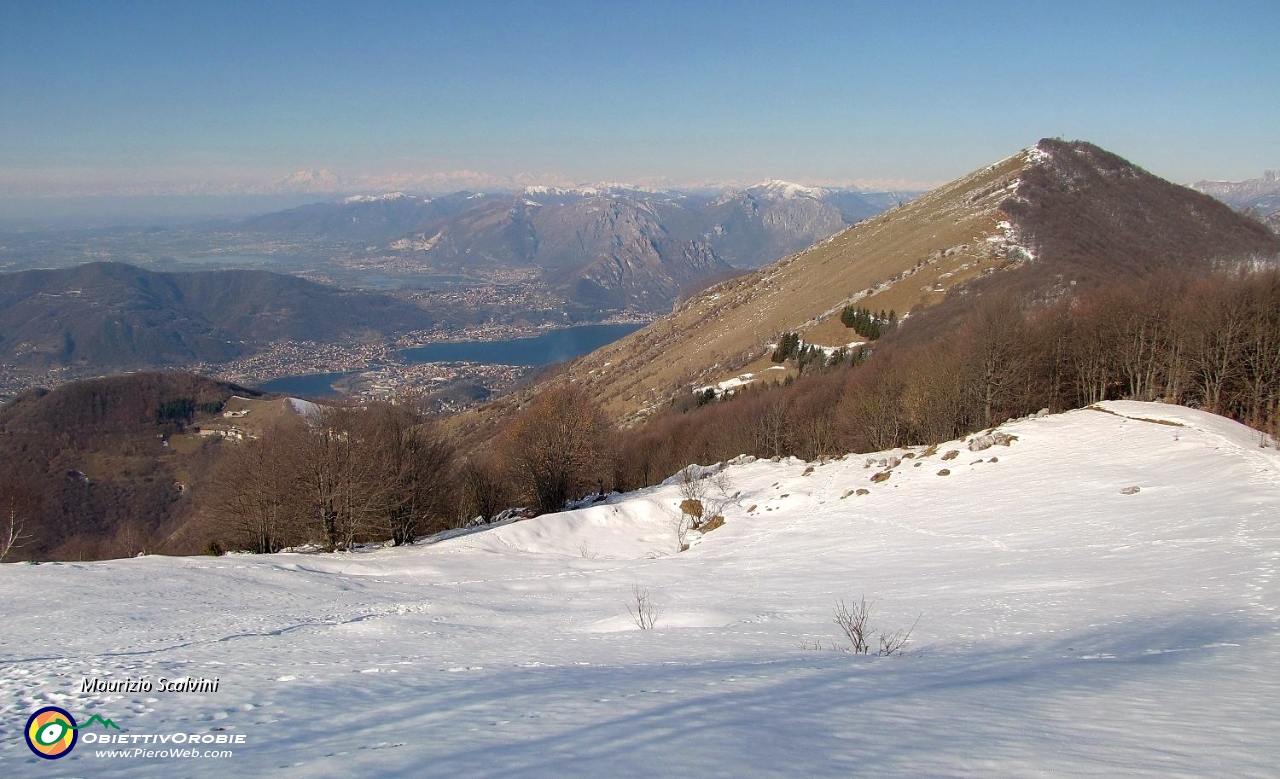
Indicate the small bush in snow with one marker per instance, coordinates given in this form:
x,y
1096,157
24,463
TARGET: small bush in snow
x,y
854,621
641,609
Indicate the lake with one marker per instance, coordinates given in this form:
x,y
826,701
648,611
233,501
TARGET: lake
x,y
545,349
551,347
308,385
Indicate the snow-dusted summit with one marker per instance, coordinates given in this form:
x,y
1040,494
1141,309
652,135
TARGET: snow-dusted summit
x,y
785,190
376,198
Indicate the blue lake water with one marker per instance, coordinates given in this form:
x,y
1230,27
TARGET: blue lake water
x,y
309,385
552,347
546,349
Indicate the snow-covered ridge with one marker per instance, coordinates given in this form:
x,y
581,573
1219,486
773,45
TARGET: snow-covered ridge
x,y
375,198
786,190
594,190
1096,595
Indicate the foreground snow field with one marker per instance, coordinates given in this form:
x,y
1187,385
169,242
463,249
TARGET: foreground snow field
x,y
1065,628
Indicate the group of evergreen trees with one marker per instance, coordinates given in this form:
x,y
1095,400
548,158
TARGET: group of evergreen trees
x,y
788,347
866,324
805,355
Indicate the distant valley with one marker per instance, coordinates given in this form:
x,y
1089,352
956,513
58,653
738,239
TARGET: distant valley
x,y
257,298
591,251
507,265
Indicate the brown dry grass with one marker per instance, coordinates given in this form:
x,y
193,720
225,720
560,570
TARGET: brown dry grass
x,y
887,261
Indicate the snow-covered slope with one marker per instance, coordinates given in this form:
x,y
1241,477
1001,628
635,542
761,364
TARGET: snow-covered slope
x,y
1068,626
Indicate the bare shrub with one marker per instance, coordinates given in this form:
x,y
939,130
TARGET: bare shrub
x,y
681,523
893,643
705,497
854,621
641,609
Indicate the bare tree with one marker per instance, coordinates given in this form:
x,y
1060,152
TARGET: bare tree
x,y
771,427
1261,351
559,448
484,491
411,485
340,474
19,503
997,363
256,491
1218,328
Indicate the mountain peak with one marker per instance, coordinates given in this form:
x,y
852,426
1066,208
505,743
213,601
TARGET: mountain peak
x,y
319,180
785,190
374,198
1058,214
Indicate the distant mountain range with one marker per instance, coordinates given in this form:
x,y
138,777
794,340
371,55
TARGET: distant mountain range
x,y
116,316
607,247
1260,196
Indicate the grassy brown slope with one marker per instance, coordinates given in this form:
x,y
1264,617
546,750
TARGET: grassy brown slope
x,y
1087,216
898,256
907,256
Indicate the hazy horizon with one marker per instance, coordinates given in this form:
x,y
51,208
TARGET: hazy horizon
x,y
106,107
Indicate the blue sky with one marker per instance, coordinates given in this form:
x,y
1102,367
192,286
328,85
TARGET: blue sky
x,y
99,97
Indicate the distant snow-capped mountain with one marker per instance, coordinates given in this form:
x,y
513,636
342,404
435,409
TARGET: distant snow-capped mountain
x,y
610,245
1261,194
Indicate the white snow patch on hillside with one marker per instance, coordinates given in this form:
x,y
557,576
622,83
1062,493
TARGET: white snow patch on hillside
x,y
305,409
1065,628
1037,155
